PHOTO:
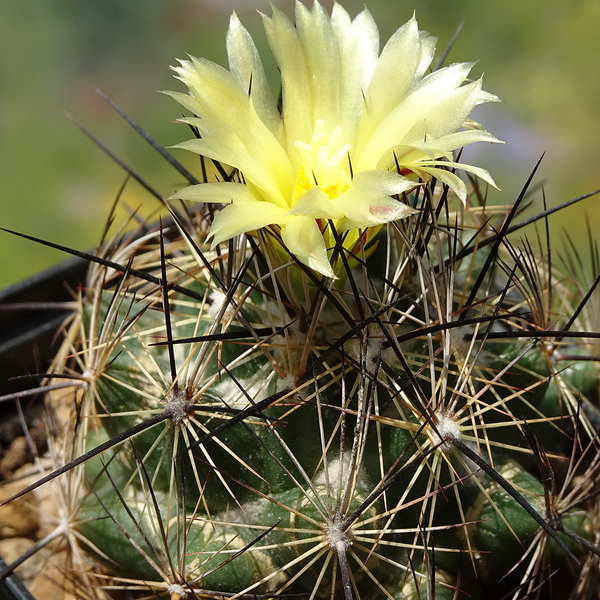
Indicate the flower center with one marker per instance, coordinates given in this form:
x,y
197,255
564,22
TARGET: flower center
x,y
321,163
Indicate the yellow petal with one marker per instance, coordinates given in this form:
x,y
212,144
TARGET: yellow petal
x,y
429,165
446,113
246,66
317,205
393,75
367,202
304,240
241,217
215,192
322,55
437,106
453,141
455,183
295,79
232,132
358,43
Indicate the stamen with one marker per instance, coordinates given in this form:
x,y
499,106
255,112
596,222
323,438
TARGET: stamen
x,y
323,157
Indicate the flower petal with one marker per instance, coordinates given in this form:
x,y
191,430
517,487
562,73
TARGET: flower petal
x,y
367,201
453,141
232,131
393,75
246,66
478,171
322,55
317,205
445,114
304,240
386,183
454,182
358,42
224,192
427,53
241,217
295,79
438,106
419,155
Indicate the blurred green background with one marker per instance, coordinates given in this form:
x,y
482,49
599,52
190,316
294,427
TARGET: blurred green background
x,y
541,57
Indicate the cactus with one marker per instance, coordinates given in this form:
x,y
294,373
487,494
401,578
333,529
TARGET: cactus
x,y
416,418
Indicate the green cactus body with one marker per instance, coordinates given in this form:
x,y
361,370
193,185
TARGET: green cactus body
x,y
502,528
358,458
444,588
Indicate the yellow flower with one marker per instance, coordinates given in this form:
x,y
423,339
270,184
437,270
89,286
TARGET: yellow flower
x,y
356,127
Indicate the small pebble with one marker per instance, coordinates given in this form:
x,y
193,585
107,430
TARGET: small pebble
x,y
18,518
